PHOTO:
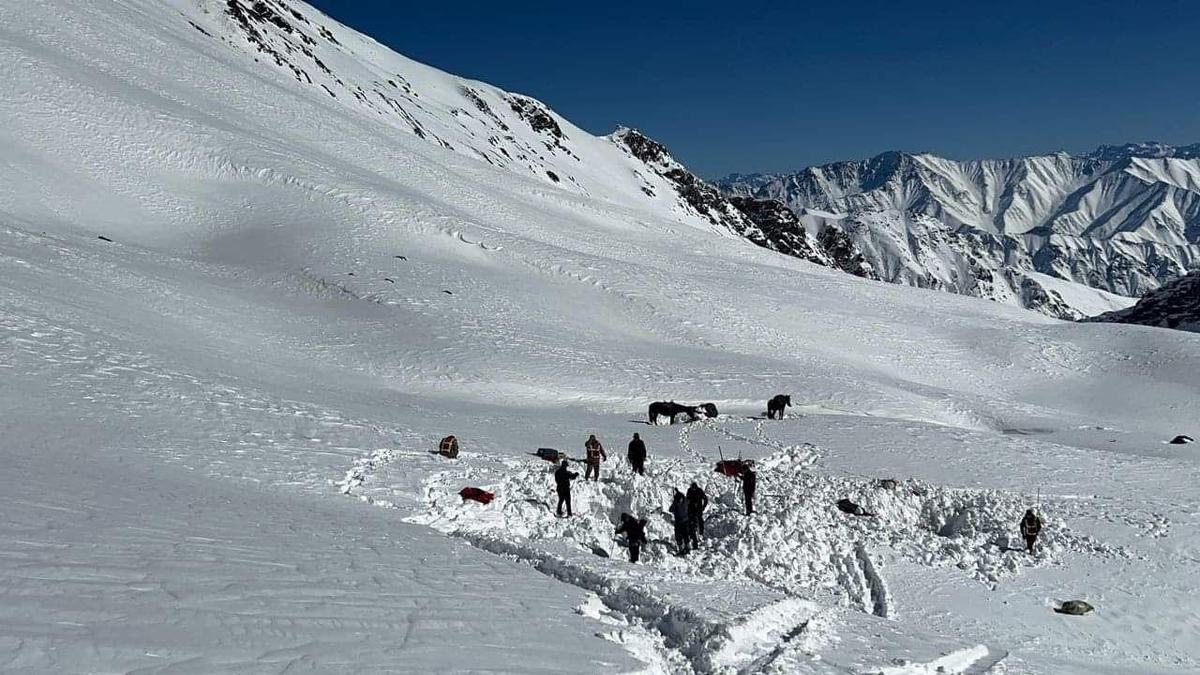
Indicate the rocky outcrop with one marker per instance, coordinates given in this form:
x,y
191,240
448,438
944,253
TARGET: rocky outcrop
x,y
844,253
780,230
1175,305
645,148
536,115
765,222
701,197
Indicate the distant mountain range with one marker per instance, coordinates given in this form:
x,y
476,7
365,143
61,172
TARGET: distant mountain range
x,y
1122,220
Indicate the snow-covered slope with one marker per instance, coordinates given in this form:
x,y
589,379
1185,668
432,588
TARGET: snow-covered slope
x,y
289,52
217,419
1122,220
299,49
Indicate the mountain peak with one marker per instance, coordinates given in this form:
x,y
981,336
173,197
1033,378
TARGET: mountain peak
x,y
643,147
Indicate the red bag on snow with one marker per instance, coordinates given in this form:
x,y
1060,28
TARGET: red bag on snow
x,y
476,494
732,467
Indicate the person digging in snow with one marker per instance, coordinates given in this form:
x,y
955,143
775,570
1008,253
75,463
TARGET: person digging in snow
x,y
634,530
679,511
749,485
637,455
1031,527
595,455
697,501
562,481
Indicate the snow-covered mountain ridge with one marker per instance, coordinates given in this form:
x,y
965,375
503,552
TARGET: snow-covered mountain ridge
x,y
472,118
504,129
1122,219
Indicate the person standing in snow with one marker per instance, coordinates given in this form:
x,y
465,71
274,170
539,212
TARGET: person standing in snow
x,y
679,511
749,485
634,530
637,455
595,455
697,501
562,482
1031,527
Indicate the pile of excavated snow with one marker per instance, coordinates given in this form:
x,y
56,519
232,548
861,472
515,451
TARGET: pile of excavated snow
x,y
797,543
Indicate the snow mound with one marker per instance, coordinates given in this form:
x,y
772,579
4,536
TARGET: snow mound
x,y
797,544
759,592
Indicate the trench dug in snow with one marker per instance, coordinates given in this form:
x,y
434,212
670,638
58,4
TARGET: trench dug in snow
x,y
758,587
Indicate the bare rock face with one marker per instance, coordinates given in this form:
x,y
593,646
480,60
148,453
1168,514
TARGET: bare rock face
x,y
536,115
1175,305
764,222
780,230
644,148
844,253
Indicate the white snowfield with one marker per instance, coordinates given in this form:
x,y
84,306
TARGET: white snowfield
x,y
216,422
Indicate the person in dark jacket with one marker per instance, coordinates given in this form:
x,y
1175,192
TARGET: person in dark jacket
x,y
749,485
595,455
697,501
562,481
679,511
1031,527
637,455
634,530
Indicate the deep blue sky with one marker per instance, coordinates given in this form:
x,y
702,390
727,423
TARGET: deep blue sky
x,y
755,86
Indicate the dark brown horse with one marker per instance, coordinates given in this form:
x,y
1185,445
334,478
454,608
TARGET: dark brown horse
x,y
776,405
670,409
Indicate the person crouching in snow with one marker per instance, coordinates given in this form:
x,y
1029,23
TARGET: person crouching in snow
x,y
562,482
1031,527
595,455
679,511
634,530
